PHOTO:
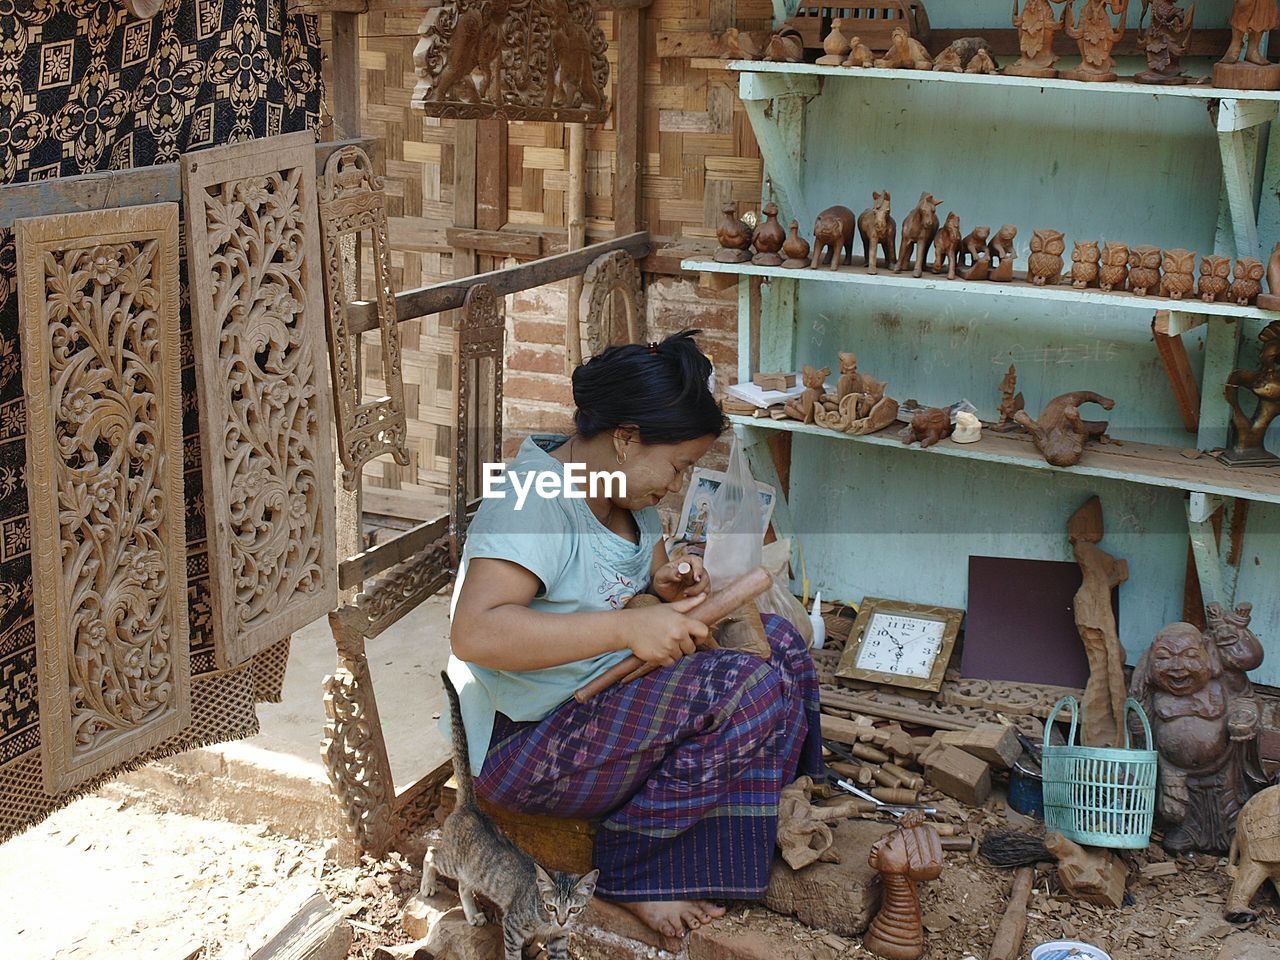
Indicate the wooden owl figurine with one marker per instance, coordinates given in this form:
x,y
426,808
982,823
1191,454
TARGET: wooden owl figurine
x,y
1113,273
1144,269
1179,273
1044,266
1248,282
1084,264
1215,277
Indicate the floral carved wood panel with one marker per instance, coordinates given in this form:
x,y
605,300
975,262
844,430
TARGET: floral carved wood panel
x,y
257,310
612,304
352,203
99,295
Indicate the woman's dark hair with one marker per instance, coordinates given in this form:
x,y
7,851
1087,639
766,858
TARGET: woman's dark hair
x,y
660,388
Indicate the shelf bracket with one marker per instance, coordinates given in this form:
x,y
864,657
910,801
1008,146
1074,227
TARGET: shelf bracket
x,y
1174,323
1238,149
1213,548
1236,114
775,105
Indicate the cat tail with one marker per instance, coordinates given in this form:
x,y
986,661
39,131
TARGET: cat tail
x,y
461,752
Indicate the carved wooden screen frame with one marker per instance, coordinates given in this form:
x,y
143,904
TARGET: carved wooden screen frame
x,y
75,646
253,165
611,278
481,336
353,204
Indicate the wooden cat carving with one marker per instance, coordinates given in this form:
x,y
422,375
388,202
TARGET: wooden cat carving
x,y
802,407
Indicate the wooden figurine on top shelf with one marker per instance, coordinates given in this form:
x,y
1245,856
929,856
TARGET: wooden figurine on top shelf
x,y
833,232
1251,20
1002,253
918,231
1144,269
1248,445
860,54
903,857
946,246
1084,264
1164,41
1215,278
929,426
835,46
878,229
1247,283
1010,403
785,46
1060,433
1271,299
1179,273
796,248
974,264
740,45
803,407
1036,26
1096,37
983,62
962,57
734,236
769,238
905,53
1113,272
1044,265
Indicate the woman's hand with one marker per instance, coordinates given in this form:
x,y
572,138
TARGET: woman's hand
x,y
670,583
662,633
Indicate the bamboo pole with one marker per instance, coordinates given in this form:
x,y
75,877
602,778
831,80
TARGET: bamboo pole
x,y
577,238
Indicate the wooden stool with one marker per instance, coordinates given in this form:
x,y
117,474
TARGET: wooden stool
x,y
557,843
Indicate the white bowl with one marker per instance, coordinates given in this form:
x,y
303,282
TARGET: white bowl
x,y
1061,950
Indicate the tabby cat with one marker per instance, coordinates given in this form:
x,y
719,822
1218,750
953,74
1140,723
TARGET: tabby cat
x,y
536,904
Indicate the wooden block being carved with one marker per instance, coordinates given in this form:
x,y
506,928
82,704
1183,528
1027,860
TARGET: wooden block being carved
x,y
993,743
101,370
353,204
957,774
253,250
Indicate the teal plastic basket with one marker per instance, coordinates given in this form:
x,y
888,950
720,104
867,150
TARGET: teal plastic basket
x,y
1099,796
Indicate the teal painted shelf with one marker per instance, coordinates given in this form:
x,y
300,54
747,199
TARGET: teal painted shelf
x,y
1142,463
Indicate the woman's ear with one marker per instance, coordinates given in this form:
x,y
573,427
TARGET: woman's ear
x,y
623,436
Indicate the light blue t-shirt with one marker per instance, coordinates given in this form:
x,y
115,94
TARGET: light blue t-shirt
x,y
583,566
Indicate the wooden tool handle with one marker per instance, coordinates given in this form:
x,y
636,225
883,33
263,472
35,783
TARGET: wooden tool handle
x,y
1007,944
710,611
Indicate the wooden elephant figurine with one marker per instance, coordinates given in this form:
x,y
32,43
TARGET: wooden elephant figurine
x,y
1255,853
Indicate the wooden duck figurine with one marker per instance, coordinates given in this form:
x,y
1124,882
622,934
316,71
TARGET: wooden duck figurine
x,y
769,238
734,237
796,248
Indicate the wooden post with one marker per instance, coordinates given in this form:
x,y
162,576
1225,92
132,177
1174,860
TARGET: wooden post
x,y
577,238
346,74
628,115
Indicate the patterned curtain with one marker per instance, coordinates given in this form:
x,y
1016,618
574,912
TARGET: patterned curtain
x,y
86,87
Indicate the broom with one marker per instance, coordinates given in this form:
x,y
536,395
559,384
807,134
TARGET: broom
x,y
1010,848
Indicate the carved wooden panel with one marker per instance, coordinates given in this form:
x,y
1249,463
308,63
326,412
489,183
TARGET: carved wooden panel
x,y
353,204
538,60
481,339
101,359
613,304
257,310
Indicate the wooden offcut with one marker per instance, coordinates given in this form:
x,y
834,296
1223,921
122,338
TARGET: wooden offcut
x,y
957,774
993,743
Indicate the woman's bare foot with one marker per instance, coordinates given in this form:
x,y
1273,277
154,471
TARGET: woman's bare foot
x,y
674,918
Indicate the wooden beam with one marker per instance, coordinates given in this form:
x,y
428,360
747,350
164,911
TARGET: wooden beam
x,y
346,73
502,243
1177,366
628,115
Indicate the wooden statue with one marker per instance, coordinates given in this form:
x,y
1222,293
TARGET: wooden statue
x,y
739,45
802,407
796,248
1096,37
804,836
928,426
1036,26
1248,281
1113,273
983,62
973,249
1144,269
1084,264
734,237
1104,694
1044,265
850,379
1179,273
1001,253
918,231
961,55
903,857
1010,403
877,228
1251,20
1255,854
785,46
769,238
1271,299
860,54
1060,433
860,405
946,246
1203,734
1248,447
1164,41
1215,278
833,231
905,53
835,47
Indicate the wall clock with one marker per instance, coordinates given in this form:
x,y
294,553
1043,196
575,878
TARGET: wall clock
x,y
899,643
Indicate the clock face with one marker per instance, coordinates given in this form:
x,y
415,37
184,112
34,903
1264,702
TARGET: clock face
x,y
901,644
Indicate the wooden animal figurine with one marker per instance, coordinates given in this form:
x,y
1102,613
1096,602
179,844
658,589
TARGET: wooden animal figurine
x,y
928,426
1179,277
1251,20
734,236
802,407
1254,857
1247,282
1036,27
769,238
1215,277
948,61
1060,433
946,246
1248,448
739,45
973,253
1044,265
860,54
1001,253
1164,41
877,228
960,54
1144,269
1095,37
1271,299
835,47
983,62
1010,403
850,380
859,405
1113,274
905,53
918,231
903,857
785,46
796,248
833,232
1084,264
